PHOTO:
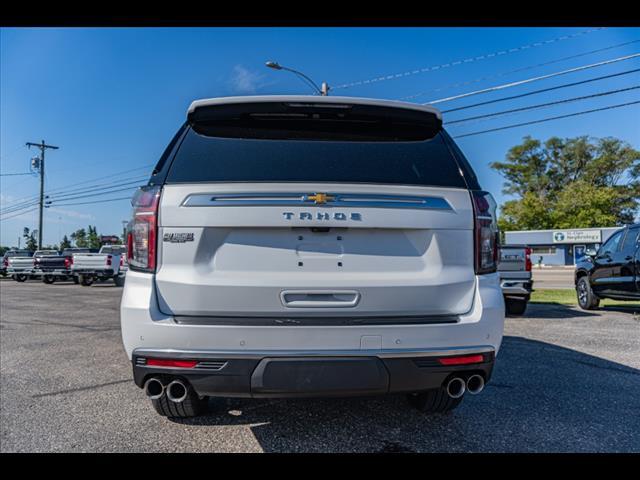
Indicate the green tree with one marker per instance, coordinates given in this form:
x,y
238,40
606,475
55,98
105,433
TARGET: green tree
x,y
570,183
79,237
65,243
31,242
93,239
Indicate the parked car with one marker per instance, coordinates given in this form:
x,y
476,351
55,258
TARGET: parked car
x,y
296,246
611,272
56,265
515,277
16,268
107,264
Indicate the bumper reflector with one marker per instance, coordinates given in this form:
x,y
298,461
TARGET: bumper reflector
x,y
165,362
467,359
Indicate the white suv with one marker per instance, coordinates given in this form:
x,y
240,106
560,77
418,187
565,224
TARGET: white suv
x,y
291,246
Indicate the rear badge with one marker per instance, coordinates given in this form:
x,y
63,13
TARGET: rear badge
x,y
178,237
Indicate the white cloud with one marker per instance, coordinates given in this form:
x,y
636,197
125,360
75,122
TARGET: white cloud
x,y
71,213
245,81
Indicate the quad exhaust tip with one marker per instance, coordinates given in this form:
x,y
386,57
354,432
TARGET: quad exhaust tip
x,y
177,391
475,384
154,388
456,387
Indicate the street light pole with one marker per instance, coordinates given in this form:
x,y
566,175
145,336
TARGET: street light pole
x,y
324,90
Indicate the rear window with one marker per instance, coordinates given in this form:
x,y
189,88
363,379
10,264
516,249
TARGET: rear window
x,y
113,249
207,158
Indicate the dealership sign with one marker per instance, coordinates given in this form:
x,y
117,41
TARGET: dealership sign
x,y
577,236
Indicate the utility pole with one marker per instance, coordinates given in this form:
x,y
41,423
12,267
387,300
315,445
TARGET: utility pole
x,y
42,146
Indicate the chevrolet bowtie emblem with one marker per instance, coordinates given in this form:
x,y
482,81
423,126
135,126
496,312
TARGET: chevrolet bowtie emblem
x,y
320,198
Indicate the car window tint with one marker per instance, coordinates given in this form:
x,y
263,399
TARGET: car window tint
x,y
630,242
611,245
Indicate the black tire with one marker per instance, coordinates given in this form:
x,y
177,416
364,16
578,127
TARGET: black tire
x,y
433,401
76,280
515,306
119,280
192,406
586,298
20,278
49,279
86,280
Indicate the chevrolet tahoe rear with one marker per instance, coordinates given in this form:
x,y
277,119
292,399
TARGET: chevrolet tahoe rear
x,y
295,246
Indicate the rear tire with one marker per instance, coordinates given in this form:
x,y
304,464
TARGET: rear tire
x,y
515,306
49,279
192,406
119,280
433,401
586,298
20,278
86,280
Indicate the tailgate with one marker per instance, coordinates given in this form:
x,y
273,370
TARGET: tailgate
x,y
373,250
512,260
87,261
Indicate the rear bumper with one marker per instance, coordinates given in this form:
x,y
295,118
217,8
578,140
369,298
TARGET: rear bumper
x,y
289,374
146,328
516,288
109,272
52,271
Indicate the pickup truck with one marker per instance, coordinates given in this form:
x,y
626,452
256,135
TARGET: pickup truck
x,y
18,264
611,272
56,266
108,263
515,277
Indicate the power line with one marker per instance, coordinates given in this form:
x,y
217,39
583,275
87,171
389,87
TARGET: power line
x,y
548,119
517,70
97,201
558,87
12,174
542,105
59,196
26,203
49,202
28,199
534,79
18,214
21,207
466,60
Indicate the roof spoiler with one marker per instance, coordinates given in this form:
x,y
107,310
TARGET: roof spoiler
x,y
344,118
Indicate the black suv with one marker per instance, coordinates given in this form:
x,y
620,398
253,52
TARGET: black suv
x,y
612,272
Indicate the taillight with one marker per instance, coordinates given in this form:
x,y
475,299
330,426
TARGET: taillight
x,y
486,241
68,261
142,237
527,259
122,260
5,262
165,362
463,360
109,259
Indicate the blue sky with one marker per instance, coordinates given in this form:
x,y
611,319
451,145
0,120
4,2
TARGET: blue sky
x,y
112,98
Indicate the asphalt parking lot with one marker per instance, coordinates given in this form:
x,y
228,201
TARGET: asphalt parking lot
x,y
565,381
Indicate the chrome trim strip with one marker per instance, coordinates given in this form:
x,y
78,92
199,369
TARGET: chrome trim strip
x,y
272,199
396,353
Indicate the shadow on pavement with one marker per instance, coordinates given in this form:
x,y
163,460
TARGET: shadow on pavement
x,y
542,397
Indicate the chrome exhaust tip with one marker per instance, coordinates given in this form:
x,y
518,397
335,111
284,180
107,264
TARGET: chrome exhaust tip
x,y
475,384
456,387
154,388
177,391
